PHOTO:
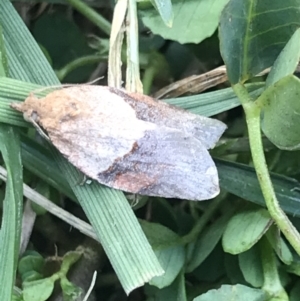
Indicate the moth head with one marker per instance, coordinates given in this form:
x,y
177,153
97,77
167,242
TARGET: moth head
x,y
27,108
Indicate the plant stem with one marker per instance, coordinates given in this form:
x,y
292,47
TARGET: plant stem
x,y
92,15
149,75
82,61
272,284
252,111
201,223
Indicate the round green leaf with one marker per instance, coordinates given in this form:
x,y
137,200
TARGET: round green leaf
x,y
171,260
31,262
39,290
193,20
70,291
281,114
233,293
245,229
169,251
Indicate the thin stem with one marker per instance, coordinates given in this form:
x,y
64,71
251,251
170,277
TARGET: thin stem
x,y
252,111
272,284
201,223
92,15
149,75
82,61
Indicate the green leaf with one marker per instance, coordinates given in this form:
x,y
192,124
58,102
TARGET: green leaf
x,y
241,180
3,57
294,268
108,211
252,34
176,291
233,293
38,159
205,104
212,103
212,268
165,10
169,251
287,60
251,267
31,262
172,260
207,241
245,229
193,20
68,260
31,276
159,236
279,245
70,291
39,290
233,269
12,210
281,113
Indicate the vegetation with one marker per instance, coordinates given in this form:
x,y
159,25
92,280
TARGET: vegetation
x,y
242,245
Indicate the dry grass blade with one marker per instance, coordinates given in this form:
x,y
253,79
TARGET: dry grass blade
x,y
196,84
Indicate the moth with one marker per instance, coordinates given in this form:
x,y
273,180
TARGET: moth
x,y
129,141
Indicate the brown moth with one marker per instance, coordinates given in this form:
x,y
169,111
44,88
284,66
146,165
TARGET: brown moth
x,y
129,141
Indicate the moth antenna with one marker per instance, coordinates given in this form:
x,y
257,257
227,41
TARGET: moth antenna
x,y
94,81
42,89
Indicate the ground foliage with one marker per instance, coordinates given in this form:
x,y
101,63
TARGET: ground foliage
x,y
228,248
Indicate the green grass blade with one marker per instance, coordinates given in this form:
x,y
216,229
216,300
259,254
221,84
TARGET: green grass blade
x,y
212,103
12,211
241,180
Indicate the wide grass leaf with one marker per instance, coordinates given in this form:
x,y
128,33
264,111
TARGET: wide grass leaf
x,y
212,103
12,210
241,180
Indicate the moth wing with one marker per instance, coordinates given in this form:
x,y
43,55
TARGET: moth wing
x,y
207,130
164,162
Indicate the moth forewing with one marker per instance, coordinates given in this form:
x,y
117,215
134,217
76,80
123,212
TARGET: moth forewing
x,y
129,141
